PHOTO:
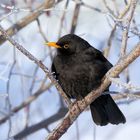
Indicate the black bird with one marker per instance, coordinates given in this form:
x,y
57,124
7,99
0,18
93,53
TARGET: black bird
x,y
79,68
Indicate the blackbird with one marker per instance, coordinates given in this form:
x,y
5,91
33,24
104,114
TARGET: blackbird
x,y
79,68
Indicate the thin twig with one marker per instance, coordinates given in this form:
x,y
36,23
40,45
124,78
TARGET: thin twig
x,y
127,86
109,9
120,16
8,101
43,124
118,96
75,17
62,19
29,100
127,26
28,19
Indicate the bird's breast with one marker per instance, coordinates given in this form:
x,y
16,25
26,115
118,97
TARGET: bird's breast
x,y
75,80
77,77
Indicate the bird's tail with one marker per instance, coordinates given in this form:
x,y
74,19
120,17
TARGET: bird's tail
x,y
104,110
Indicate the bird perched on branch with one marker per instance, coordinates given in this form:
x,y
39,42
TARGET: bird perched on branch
x,y
79,68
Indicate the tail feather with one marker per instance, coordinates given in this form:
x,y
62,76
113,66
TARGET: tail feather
x,y
104,110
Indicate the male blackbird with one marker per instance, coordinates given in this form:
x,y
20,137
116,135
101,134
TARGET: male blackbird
x,y
79,68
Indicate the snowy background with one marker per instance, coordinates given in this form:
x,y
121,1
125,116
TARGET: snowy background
x,y
17,72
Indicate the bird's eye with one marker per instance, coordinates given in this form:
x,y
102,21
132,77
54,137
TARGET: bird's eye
x,y
66,46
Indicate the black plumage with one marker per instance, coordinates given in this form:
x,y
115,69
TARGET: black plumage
x,y
79,68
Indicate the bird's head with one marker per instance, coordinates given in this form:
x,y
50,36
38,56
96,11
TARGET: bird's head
x,y
69,44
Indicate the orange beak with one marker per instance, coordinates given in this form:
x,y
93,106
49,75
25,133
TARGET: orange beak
x,y
52,44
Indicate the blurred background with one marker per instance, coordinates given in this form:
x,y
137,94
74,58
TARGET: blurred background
x,y
31,107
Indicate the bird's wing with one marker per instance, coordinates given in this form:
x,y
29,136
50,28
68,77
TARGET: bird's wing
x,y
97,55
98,66
101,57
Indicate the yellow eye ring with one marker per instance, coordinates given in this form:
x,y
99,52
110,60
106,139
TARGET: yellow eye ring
x,y
66,46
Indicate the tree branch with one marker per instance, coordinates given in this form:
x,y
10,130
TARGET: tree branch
x,y
62,111
127,26
75,17
28,19
43,124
